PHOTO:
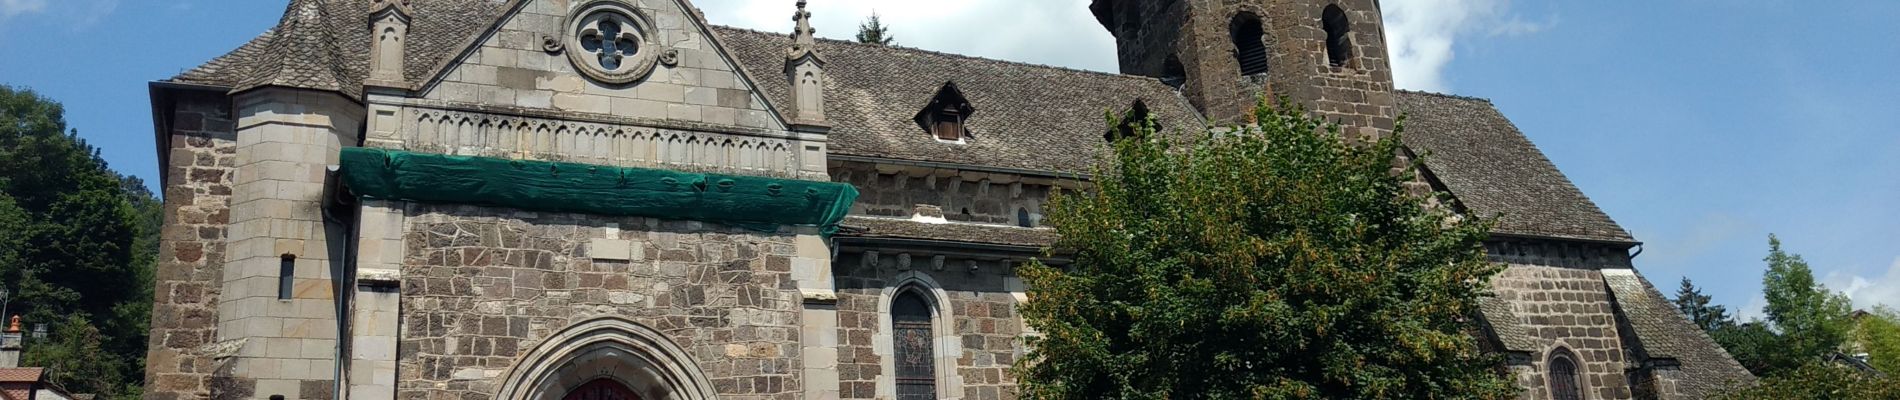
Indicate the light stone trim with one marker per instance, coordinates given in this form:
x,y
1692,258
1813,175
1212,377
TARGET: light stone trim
x,y
481,134
547,372
947,347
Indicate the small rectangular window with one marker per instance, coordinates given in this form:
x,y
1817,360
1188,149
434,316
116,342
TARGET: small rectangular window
x,y
949,127
286,276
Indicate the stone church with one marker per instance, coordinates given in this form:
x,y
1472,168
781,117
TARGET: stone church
x,y
613,199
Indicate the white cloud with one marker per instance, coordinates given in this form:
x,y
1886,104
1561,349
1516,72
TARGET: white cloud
x,y
1060,33
1063,33
1868,292
1423,35
11,8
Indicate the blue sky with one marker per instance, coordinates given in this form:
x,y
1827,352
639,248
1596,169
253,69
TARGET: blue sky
x,y
1700,125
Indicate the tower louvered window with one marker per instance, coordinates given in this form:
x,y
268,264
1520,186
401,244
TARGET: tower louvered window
x,y
1564,384
1338,36
912,337
1250,47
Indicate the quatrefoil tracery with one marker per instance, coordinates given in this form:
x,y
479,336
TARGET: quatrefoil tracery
x,y
611,42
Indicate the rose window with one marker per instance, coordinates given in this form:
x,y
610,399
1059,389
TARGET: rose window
x,y
611,42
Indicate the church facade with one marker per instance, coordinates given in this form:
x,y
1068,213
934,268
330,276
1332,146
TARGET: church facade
x,y
613,199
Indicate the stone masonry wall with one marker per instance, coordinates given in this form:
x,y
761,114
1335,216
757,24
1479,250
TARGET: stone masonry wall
x,y
965,196
986,329
191,249
1197,34
1567,307
482,286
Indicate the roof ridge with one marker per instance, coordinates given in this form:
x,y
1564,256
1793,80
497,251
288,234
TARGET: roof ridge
x,y
954,55
1445,95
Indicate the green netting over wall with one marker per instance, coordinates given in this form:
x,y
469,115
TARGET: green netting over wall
x,y
748,201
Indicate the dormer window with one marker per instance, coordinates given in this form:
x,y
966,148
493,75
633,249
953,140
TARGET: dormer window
x,y
944,117
1130,121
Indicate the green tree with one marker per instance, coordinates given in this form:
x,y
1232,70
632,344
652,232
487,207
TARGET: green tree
x,y
1878,334
1820,381
1273,260
1813,321
75,358
1806,322
81,239
1758,348
1695,305
874,31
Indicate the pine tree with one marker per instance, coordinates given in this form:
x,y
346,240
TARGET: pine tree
x,y
1695,305
1271,261
873,31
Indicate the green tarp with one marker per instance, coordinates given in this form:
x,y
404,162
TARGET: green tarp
x,y
748,201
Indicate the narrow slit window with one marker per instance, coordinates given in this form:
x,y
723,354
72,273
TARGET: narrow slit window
x,y
1250,47
1022,218
286,276
1338,36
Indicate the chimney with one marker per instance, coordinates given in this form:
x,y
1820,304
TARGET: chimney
x,y
10,344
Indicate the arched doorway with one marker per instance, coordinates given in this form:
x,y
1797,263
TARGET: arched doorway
x,y
602,389
606,359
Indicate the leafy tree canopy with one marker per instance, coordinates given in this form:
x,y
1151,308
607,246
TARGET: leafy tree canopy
x,y
1878,334
79,245
1273,260
1815,380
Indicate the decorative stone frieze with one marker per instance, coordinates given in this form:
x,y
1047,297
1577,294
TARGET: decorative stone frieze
x,y
498,135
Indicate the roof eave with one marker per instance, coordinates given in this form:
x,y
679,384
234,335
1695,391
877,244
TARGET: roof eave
x,y
1603,241
160,94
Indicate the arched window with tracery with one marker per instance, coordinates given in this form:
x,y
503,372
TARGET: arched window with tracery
x,y
602,389
1564,384
913,336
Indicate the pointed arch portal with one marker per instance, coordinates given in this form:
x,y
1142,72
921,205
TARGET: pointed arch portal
x,y
607,359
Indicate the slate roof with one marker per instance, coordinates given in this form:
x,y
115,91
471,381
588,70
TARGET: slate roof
x,y
1505,325
1492,169
1663,332
1027,116
323,44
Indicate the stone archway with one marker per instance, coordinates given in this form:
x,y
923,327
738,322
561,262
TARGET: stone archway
x,y
606,359
602,389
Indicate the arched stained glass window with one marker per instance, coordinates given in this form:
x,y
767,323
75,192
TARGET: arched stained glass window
x,y
1564,384
912,334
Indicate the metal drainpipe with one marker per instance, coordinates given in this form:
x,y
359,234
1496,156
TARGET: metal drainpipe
x,y
346,287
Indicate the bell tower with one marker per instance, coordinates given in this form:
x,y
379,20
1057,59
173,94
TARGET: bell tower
x,y
1223,55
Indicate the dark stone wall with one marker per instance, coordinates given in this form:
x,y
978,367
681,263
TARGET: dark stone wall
x,y
981,307
964,196
1570,308
482,286
203,157
1197,33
